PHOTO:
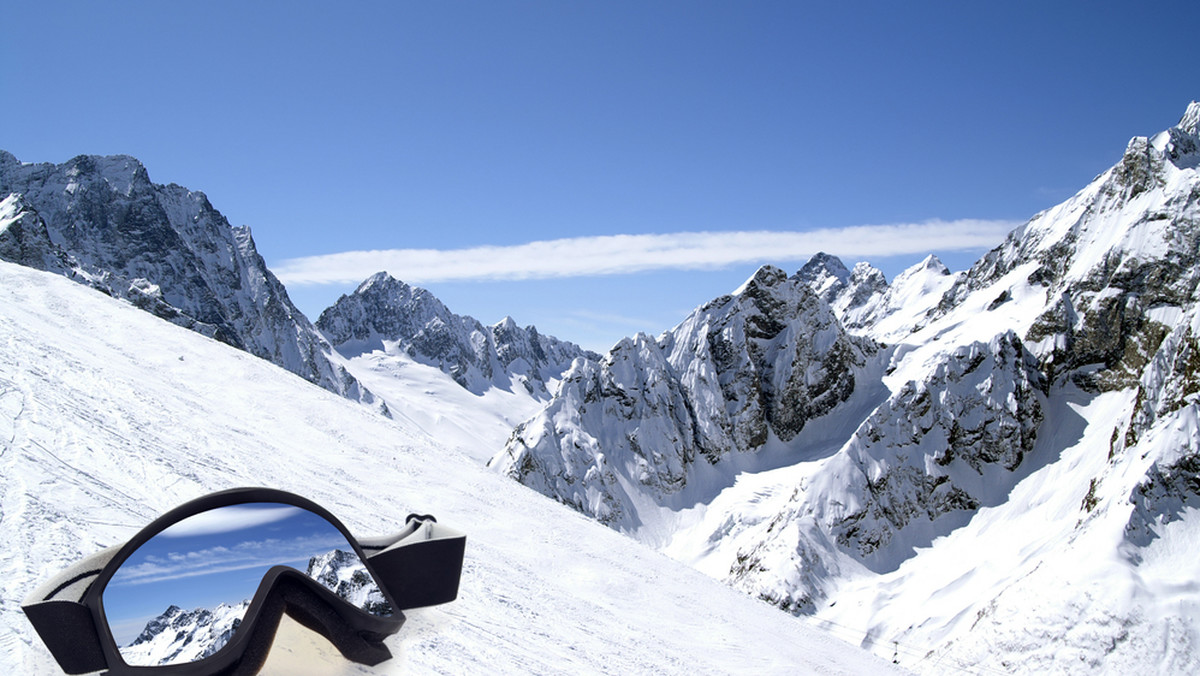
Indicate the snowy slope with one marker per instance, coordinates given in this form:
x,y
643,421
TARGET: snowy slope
x,y
109,416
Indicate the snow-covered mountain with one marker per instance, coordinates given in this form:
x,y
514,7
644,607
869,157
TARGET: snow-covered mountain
x,y
1003,472
344,574
854,295
866,304
163,248
994,470
179,635
109,417
390,316
741,371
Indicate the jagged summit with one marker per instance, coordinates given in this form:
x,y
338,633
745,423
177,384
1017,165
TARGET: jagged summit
x,y
853,295
1180,144
1190,122
826,275
122,173
740,371
387,314
933,263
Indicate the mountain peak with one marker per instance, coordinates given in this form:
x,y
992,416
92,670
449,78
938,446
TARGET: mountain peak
x,y
1179,144
122,173
380,279
165,249
1190,122
386,310
821,265
768,276
932,262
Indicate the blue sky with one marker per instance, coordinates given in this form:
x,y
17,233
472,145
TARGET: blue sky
x,y
459,133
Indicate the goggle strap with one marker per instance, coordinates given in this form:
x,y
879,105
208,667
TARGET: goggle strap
x,y
67,629
64,624
423,568
72,583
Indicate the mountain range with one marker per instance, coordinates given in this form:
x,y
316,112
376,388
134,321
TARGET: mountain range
x,y
110,417
846,448
989,469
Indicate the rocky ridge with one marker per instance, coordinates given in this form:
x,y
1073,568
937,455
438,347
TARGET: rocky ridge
x,y
165,249
741,370
384,313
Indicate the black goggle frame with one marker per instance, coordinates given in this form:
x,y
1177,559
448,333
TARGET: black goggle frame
x,y
415,567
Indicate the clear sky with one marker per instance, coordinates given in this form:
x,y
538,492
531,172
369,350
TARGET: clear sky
x,y
531,133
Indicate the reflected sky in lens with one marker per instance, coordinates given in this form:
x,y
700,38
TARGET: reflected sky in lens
x,y
215,557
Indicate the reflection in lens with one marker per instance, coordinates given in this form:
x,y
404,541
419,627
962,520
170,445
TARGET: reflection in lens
x,y
182,595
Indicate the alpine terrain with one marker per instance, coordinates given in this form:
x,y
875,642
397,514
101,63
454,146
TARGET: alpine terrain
x,y
110,416
465,383
164,248
388,315
992,470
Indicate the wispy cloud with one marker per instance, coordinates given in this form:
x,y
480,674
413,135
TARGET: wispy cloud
x,y
623,254
176,565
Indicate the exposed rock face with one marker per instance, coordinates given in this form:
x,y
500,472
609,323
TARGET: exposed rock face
x,y
744,368
856,296
384,311
25,240
1107,260
168,251
937,446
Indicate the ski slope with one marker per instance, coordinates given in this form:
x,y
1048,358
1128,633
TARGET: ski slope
x,y
109,417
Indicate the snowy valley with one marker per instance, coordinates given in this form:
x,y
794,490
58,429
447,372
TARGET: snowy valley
x,y
994,470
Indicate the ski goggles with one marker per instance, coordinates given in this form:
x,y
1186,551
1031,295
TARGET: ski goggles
x,y
202,589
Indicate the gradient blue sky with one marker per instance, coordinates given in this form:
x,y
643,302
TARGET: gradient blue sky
x,y
441,126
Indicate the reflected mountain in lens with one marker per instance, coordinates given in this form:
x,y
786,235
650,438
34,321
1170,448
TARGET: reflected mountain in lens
x,y
178,636
344,574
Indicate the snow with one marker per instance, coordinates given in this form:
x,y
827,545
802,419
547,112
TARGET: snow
x,y
109,417
427,399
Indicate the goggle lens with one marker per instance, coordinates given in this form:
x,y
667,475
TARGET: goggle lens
x,y
182,595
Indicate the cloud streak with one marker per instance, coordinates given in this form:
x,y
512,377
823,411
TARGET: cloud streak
x,y
625,254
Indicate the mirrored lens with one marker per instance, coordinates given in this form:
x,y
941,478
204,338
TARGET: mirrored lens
x,y
182,595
